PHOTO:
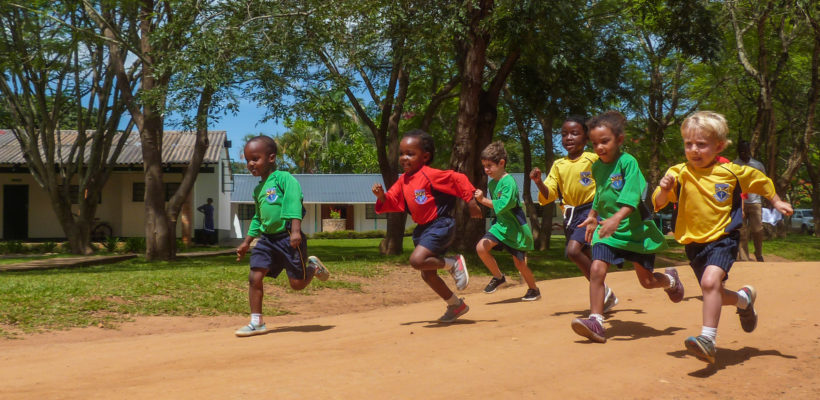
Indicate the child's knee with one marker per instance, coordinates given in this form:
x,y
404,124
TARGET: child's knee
x,y
297,284
255,277
416,260
710,284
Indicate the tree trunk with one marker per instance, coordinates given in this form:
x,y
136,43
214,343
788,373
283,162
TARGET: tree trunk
x,y
549,157
393,239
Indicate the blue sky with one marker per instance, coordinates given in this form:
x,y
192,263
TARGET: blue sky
x,y
247,120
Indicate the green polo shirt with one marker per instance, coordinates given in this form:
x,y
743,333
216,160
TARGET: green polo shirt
x,y
278,200
508,226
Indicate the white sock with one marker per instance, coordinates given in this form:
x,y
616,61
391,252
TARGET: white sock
x,y
449,262
671,281
453,300
599,317
742,300
256,319
711,333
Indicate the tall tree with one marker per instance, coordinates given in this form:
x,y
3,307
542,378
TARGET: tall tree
x,y
57,75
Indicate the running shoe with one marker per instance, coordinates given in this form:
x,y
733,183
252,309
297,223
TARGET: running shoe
x,y
610,300
748,316
589,328
701,347
319,270
494,284
459,273
251,330
532,295
675,293
453,312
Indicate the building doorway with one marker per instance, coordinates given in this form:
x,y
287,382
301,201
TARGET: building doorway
x,y
15,212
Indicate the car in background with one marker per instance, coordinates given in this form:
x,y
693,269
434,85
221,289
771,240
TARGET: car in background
x,y
803,220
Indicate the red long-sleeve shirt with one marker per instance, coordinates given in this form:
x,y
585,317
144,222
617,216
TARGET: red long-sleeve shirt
x,y
426,194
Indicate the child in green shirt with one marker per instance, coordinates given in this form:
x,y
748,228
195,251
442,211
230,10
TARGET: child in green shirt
x,y
510,231
277,223
625,232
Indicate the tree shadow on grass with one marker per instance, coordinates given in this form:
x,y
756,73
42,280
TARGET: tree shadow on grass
x,y
728,357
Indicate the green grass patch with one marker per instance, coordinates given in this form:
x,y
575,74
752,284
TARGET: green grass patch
x,y
795,247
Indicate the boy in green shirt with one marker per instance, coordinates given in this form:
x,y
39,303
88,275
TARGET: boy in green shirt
x,y
510,231
277,223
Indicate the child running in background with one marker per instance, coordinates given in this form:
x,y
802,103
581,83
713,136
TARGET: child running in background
x,y
429,195
625,231
277,223
510,231
570,179
708,218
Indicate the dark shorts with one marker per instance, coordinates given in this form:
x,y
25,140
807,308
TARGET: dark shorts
x,y
615,256
721,252
436,235
571,229
274,253
499,245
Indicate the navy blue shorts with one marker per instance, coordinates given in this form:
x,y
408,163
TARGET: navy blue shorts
x,y
721,252
571,229
436,235
499,245
274,253
615,256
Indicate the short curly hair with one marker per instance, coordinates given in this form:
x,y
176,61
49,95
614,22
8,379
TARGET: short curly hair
x,y
494,152
428,145
614,120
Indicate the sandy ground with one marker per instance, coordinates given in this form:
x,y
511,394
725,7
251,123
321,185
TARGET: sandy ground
x,y
386,346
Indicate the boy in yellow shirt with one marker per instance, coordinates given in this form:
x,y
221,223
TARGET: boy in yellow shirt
x,y
708,219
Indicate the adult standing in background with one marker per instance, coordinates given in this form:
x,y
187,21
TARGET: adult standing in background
x,y
208,210
752,208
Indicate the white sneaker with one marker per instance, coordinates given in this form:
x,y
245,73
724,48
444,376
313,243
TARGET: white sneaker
x,y
610,301
459,273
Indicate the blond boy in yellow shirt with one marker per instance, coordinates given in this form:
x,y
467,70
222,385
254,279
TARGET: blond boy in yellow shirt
x,y
708,218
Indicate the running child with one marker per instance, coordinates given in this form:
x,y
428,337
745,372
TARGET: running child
x,y
626,231
430,195
708,220
277,223
570,179
510,231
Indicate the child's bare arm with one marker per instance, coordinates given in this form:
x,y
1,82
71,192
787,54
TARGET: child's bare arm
x,y
784,207
295,233
590,223
535,175
243,247
610,225
475,211
479,197
667,184
378,191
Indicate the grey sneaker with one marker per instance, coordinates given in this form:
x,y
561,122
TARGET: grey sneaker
x,y
319,270
494,284
748,316
251,330
589,328
701,347
532,295
453,312
676,292
459,273
610,301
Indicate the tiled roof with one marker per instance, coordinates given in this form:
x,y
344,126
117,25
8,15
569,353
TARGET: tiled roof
x,y
332,188
177,147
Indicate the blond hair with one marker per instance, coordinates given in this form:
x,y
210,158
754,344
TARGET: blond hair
x,y
710,123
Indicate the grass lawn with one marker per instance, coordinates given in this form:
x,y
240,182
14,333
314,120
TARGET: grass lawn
x,y
42,300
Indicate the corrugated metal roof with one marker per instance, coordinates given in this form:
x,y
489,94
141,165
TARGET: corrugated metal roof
x,y
177,147
332,188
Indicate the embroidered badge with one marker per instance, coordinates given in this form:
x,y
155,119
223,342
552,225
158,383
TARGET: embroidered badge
x,y
586,178
271,195
721,192
420,195
616,181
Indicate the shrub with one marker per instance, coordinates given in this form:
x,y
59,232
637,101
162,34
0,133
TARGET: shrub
x,y
135,245
111,244
181,246
48,247
64,247
15,247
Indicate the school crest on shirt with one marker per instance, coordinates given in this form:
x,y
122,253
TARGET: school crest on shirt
x,y
586,178
617,181
271,195
721,192
420,196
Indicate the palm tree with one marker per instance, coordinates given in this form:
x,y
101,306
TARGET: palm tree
x,y
302,145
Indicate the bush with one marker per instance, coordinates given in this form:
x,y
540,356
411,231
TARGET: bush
x,y
48,247
348,235
135,245
64,247
181,246
14,247
111,244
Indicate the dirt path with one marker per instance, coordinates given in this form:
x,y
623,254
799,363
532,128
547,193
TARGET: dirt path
x,y
502,349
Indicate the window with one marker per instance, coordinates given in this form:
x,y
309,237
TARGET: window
x,y
245,211
138,191
370,212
